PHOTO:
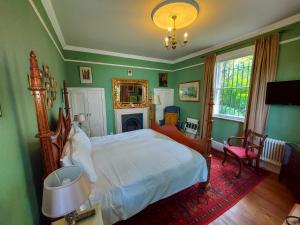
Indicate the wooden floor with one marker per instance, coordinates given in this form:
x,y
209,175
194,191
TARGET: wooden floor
x,y
267,204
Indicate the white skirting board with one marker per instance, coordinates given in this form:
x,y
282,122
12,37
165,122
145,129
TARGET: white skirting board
x,y
264,165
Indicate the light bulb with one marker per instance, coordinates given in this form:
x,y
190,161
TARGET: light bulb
x,y
167,42
185,37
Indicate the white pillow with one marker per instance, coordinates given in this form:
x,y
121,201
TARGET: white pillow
x,y
82,158
65,159
82,140
72,132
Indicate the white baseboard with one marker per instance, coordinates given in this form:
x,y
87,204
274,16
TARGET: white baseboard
x,y
263,164
217,145
270,167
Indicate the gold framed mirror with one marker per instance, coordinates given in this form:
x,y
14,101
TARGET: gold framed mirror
x,y
129,93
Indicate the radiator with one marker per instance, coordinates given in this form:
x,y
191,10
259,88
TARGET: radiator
x,y
273,151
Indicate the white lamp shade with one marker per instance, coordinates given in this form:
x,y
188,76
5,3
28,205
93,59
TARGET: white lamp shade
x,y
65,190
156,100
79,118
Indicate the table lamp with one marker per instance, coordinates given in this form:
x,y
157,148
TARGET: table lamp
x,y
65,190
155,101
79,119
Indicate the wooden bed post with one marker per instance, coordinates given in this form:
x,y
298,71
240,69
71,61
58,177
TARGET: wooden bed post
x,y
208,140
66,97
150,110
67,109
38,92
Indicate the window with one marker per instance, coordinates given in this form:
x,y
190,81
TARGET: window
x,y
231,85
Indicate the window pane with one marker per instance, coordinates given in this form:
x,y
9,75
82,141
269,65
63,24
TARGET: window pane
x,y
232,78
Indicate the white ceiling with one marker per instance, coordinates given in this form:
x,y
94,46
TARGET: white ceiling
x,y
125,26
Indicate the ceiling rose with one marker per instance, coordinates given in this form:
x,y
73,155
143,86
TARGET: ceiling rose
x,y
173,15
186,11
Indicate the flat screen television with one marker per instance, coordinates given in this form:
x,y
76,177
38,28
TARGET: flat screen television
x,y
283,93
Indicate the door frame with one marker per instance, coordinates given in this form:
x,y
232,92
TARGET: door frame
x,y
102,94
164,90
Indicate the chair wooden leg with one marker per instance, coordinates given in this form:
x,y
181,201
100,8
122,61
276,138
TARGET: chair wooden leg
x,y
225,157
257,166
240,169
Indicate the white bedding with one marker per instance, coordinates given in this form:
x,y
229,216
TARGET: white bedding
x,y
138,168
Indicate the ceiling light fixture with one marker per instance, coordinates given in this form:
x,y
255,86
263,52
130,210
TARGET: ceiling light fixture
x,y
173,15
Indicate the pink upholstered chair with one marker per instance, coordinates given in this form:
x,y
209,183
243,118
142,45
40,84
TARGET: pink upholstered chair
x,y
252,146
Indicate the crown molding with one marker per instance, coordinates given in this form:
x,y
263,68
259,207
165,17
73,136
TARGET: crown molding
x,y
53,19
117,65
45,27
187,67
260,31
116,54
290,40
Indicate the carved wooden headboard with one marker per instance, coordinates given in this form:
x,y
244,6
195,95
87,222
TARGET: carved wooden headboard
x,y
52,142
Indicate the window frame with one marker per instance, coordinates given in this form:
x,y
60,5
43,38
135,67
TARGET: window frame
x,y
239,53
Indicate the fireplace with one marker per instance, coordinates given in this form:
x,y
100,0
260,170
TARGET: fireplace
x,y
142,119
132,122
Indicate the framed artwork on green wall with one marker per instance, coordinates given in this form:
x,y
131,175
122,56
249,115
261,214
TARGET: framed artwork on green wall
x,y
189,91
85,75
163,79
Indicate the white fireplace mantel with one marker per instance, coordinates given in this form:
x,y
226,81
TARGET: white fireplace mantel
x,y
120,112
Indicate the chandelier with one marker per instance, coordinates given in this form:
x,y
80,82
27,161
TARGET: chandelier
x,y
173,15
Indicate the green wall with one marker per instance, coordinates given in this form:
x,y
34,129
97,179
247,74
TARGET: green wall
x,y
288,68
103,74
188,109
20,158
282,121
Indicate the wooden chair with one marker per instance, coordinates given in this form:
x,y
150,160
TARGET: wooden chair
x,y
251,149
171,109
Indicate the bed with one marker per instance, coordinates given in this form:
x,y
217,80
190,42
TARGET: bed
x,y
132,169
137,168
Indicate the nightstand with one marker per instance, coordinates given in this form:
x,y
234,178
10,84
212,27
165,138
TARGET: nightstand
x,y
94,220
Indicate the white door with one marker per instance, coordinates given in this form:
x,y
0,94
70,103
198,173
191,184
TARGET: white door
x,y
78,105
96,112
91,102
166,96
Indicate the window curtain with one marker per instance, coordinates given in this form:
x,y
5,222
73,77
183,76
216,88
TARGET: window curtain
x,y
263,71
208,94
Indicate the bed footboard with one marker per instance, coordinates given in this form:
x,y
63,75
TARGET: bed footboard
x,y
198,145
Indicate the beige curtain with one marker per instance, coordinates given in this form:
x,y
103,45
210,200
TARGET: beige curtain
x,y
208,94
263,71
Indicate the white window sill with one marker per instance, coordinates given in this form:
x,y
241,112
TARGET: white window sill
x,y
231,118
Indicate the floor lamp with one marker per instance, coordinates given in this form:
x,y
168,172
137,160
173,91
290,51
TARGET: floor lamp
x,y
155,101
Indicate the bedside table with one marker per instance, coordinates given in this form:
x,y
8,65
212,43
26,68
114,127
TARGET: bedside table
x,y
94,220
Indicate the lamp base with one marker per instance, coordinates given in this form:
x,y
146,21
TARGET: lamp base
x,y
86,214
71,218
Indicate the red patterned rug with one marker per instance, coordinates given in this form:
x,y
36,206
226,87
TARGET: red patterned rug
x,y
193,206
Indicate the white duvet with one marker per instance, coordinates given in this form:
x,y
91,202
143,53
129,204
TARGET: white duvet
x,y
138,168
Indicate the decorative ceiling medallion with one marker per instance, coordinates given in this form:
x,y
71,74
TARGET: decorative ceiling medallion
x,y
186,12
172,15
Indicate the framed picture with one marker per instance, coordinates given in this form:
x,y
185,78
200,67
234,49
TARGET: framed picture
x,y
189,91
86,75
163,79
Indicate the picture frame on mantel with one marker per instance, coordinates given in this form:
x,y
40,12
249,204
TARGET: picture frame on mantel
x,y
189,91
86,76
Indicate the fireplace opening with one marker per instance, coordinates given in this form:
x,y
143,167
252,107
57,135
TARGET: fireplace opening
x,y
132,122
